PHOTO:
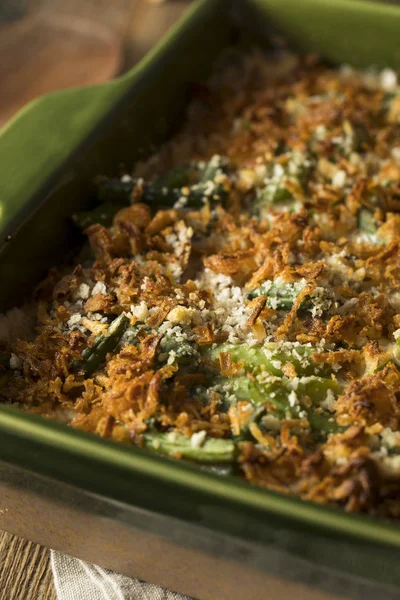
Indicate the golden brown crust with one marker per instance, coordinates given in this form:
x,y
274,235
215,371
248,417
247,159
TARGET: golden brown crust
x,y
324,142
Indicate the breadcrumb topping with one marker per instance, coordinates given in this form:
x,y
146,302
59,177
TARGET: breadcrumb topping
x,y
242,303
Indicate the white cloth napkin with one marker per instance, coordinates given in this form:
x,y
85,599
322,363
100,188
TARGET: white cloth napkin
x,y
77,580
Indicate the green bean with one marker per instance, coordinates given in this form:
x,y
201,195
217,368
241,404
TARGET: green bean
x,y
245,433
131,334
287,403
273,194
183,352
200,193
216,166
277,390
159,196
211,450
116,195
102,214
281,297
269,356
296,170
396,353
175,178
316,388
366,221
113,195
172,187
241,387
316,391
279,394
115,190
94,356
199,172
321,424
205,188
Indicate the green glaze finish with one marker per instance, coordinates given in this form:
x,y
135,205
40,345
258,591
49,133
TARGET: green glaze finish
x,y
132,461
49,155
54,125
357,32
170,487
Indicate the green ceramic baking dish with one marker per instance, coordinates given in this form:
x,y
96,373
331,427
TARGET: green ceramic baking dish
x,y
155,518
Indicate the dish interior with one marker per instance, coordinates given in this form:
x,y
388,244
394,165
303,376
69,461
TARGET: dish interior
x,y
61,196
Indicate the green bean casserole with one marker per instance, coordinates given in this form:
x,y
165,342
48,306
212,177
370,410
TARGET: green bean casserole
x,y
240,303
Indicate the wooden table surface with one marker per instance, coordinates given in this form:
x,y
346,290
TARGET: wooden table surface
x,y
25,572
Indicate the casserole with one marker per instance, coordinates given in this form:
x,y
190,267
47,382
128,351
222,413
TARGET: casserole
x,y
171,505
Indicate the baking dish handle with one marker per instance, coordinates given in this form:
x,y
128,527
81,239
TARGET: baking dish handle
x,y
368,29
67,117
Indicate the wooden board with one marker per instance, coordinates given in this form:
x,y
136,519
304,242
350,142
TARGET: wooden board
x,y
47,52
25,572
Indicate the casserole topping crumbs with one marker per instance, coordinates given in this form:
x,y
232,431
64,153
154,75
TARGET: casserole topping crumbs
x,y
242,308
